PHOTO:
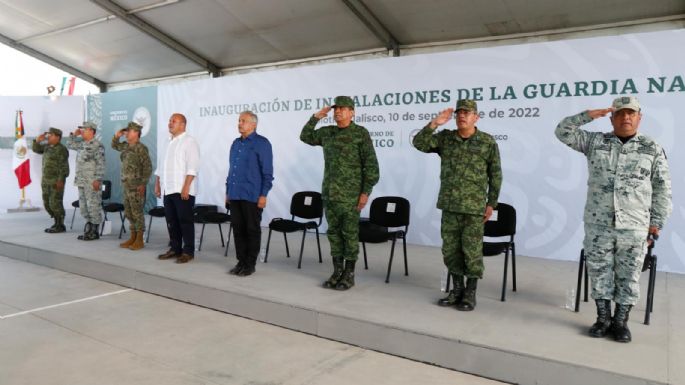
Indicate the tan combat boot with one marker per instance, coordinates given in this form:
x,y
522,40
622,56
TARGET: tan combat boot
x,y
125,245
139,243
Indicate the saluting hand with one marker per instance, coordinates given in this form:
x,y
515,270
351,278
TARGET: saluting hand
x,y
40,138
443,117
323,112
594,114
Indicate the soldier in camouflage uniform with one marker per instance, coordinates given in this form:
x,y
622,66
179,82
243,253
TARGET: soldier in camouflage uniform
x,y
350,172
90,169
470,181
628,197
136,168
55,172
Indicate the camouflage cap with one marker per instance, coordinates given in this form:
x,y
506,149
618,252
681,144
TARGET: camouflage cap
x,y
343,101
133,126
90,125
55,131
629,102
467,104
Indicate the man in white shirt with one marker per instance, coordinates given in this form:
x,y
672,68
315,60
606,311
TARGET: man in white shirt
x,y
176,180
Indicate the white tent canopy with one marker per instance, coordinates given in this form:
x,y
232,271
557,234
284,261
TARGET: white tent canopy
x,y
105,42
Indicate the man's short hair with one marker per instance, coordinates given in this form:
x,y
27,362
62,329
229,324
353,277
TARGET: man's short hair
x,y
252,115
182,117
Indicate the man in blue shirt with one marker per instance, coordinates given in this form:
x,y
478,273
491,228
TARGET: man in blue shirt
x,y
249,180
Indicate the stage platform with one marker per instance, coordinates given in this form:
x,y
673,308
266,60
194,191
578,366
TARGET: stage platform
x,y
529,339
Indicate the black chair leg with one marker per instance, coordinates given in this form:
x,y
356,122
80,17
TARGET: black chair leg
x,y
268,242
318,244
149,227
504,276
448,282
202,234
228,239
287,249
72,219
404,247
652,276
366,262
122,230
102,228
221,233
513,267
587,280
299,261
650,291
392,254
581,269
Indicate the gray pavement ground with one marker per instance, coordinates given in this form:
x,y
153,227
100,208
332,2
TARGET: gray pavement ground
x,y
91,332
528,339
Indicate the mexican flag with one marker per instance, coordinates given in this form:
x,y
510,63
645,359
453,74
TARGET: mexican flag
x,y
20,155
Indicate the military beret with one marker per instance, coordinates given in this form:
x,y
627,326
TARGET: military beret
x,y
343,101
134,126
467,104
90,125
629,102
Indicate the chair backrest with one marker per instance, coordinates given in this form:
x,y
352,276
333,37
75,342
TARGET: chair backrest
x,y
106,189
390,212
505,223
307,204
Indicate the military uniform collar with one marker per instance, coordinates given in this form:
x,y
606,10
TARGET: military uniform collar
x,y
639,137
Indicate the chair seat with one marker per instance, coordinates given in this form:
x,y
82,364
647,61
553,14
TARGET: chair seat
x,y
290,226
216,218
157,211
491,249
113,207
75,204
372,233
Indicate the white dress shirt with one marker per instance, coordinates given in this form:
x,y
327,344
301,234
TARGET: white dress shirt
x,y
182,158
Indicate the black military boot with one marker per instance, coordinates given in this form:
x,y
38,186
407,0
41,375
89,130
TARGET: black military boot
x,y
86,231
603,324
619,324
456,294
51,228
332,282
468,303
93,234
58,227
347,279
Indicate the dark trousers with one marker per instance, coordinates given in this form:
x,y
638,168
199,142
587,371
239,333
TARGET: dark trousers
x,y
179,222
246,218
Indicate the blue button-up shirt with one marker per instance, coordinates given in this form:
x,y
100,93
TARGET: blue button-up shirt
x,y
250,168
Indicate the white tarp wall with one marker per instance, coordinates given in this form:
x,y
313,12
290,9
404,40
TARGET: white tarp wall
x,y
524,91
40,113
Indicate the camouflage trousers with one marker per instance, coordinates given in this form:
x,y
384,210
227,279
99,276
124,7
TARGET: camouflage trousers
x,y
52,201
134,208
614,260
343,229
462,243
90,202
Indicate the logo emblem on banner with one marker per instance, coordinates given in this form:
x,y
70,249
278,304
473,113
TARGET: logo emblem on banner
x,y
143,117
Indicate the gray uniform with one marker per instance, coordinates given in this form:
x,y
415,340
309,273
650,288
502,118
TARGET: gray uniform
x,y
629,190
90,166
